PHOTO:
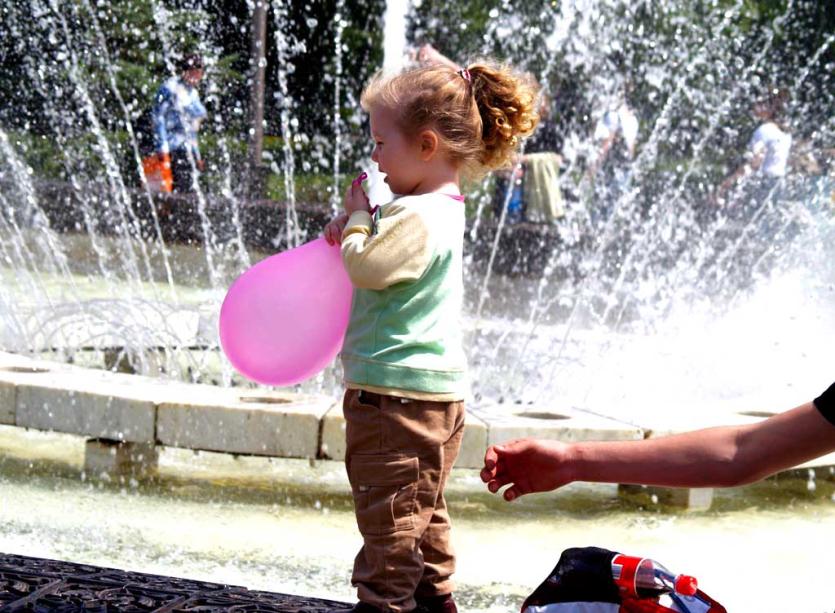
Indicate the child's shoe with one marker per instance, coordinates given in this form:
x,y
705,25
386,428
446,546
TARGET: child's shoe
x,y
436,604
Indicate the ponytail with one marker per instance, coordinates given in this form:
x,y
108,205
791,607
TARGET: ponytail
x,y
507,106
480,113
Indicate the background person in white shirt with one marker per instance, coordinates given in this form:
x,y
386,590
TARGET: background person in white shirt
x,y
766,158
615,136
618,123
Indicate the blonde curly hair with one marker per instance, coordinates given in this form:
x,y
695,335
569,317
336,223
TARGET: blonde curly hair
x,y
480,113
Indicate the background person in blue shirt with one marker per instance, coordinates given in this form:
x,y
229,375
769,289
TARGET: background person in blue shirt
x,y
177,114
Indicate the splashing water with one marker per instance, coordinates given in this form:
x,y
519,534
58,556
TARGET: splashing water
x,y
662,295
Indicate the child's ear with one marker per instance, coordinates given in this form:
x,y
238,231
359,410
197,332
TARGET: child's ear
x,y
429,143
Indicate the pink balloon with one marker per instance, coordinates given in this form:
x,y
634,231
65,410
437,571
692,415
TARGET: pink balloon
x,y
284,319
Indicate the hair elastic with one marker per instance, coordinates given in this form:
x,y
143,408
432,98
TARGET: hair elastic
x,y
465,74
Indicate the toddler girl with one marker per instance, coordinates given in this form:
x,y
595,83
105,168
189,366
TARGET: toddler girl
x,y
403,359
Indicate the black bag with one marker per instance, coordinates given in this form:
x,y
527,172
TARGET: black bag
x,y
582,582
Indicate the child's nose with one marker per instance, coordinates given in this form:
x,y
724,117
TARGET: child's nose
x,y
374,156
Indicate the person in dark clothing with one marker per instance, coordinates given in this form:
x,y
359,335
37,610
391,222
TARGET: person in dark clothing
x,y
541,162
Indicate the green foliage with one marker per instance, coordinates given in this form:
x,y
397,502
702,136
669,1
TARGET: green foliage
x,y
456,29
64,62
309,188
39,153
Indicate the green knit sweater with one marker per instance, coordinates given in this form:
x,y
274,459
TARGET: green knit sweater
x,y
404,335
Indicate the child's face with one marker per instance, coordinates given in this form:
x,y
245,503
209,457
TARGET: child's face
x,y
396,155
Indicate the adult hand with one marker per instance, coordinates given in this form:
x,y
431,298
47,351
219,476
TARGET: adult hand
x,y
355,199
333,231
427,55
528,465
201,164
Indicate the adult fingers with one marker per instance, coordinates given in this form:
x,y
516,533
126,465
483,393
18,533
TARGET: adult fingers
x,y
491,458
512,493
494,485
519,488
499,479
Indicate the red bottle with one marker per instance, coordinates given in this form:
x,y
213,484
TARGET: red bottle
x,y
645,578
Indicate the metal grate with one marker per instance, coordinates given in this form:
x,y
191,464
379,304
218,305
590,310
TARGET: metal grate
x,y
51,586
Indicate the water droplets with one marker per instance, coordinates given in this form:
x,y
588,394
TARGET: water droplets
x,y
811,484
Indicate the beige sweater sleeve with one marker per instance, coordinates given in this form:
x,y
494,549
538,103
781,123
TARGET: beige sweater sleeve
x,y
399,251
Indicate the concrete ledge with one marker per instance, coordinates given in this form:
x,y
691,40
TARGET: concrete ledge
x,y
103,458
8,403
16,369
133,409
74,400
89,407
332,446
236,421
474,443
557,424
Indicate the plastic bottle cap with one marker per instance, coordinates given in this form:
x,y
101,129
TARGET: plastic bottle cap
x,y
686,585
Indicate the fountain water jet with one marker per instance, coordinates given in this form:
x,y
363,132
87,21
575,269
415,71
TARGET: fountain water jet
x,y
624,277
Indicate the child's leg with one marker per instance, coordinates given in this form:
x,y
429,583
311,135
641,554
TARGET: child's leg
x,y
436,546
395,461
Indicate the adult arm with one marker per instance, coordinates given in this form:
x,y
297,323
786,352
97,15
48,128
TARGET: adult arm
x,y
714,457
429,56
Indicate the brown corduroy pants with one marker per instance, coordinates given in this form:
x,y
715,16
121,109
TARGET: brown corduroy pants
x,y
399,455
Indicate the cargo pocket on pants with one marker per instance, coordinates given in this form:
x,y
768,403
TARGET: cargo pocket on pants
x,y
385,491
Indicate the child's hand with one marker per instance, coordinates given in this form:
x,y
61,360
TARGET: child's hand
x,y
333,231
355,199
